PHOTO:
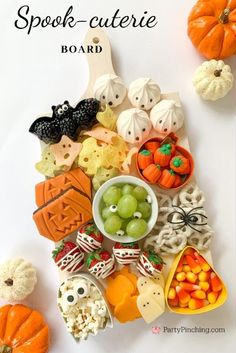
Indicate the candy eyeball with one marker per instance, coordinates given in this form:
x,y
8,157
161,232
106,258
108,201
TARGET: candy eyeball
x,y
137,215
113,208
149,199
81,289
65,107
144,93
71,297
134,125
120,233
60,111
109,89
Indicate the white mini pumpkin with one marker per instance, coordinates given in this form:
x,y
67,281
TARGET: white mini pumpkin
x,y
109,89
17,280
144,93
167,116
134,125
213,80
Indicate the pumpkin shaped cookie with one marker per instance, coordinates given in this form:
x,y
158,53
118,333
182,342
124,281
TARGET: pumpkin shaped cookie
x,y
127,309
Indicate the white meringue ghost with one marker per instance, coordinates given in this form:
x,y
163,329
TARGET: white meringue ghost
x,y
109,89
144,93
167,116
133,125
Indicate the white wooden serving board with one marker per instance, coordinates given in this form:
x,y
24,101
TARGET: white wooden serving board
x,y
100,64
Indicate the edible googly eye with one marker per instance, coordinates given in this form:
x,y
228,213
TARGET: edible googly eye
x,y
65,107
137,215
113,208
146,266
81,289
71,297
60,111
149,199
120,232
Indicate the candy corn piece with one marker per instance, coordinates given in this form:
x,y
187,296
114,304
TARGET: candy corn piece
x,y
216,284
196,303
195,267
186,268
204,276
183,295
174,302
183,305
174,283
181,276
171,293
204,286
204,265
189,286
212,297
190,252
191,277
198,294
180,265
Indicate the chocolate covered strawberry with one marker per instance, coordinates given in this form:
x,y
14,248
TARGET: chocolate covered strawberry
x,y
126,253
89,238
150,263
101,263
68,257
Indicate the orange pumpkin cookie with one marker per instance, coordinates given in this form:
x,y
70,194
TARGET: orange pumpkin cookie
x,y
50,188
63,215
125,272
145,158
180,164
152,173
127,309
167,178
22,330
117,288
163,154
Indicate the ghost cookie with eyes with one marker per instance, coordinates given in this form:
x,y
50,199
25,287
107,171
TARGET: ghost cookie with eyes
x,y
83,307
134,125
109,89
144,93
89,238
167,116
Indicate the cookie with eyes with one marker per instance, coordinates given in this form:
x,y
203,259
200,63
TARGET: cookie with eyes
x,y
83,307
144,93
134,125
109,89
66,120
126,253
89,238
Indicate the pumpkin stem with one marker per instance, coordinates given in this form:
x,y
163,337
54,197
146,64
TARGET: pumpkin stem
x,y
5,349
224,17
9,282
217,73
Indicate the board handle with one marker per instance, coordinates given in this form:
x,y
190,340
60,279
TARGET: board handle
x,y
99,63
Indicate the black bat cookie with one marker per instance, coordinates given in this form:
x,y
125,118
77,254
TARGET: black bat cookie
x,y
66,120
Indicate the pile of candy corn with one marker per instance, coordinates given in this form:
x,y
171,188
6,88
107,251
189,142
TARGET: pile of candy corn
x,y
194,284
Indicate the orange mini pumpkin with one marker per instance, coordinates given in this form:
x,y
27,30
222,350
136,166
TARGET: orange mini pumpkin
x,y
178,181
145,158
22,330
212,28
167,178
180,164
163,154
152,173
152,146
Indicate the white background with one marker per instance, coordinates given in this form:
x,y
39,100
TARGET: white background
x,y
34,76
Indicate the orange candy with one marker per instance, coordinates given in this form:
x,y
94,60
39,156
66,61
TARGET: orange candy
x,y
204,265
196,303
198,294
191,277
183,295
216,284
203,276
171,293
195,267
212,297
181,276
189,286
204,285
174,302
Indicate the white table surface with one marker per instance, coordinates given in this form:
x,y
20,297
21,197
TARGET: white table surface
x,y
34,76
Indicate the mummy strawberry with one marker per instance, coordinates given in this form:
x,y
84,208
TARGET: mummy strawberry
x,y
101,263
150,264
89,238
126,253
68,257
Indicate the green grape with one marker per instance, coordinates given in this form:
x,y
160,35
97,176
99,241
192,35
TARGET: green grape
x,y
140,193
136,228
145,208
127,205
106,213
127,189
124,224
112,224
112,195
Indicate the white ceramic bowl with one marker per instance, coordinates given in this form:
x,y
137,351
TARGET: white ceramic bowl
x,y
123,179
